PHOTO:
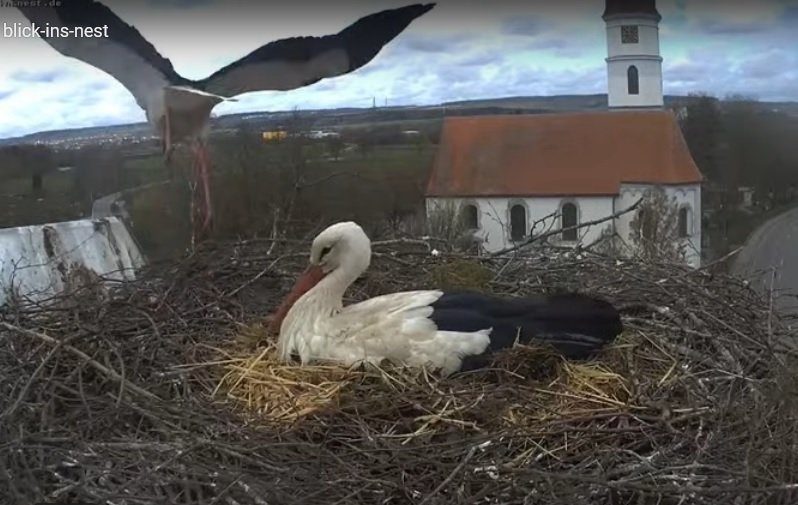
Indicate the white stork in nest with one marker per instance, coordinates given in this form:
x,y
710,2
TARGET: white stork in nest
x,y
178,108
446,331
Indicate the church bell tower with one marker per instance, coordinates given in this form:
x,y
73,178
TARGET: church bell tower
x,y
634,64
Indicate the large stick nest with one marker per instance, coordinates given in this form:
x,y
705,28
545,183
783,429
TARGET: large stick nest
x,y
169,393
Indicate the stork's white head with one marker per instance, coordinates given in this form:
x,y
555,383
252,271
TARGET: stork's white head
x,y
342,250
342,246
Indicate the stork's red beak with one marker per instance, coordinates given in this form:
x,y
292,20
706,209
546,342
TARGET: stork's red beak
x,y
309,278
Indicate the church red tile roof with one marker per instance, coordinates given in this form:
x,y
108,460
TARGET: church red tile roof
x,y
585,153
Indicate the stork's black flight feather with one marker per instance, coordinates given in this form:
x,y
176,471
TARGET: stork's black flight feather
x,y
280,65
575,325
301,61
89,13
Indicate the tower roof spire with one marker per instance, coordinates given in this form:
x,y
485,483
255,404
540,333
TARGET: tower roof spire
x,y
635,7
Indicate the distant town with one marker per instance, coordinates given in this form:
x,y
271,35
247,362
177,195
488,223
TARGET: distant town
x,y
322,122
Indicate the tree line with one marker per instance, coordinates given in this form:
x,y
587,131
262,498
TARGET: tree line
x,y
739,142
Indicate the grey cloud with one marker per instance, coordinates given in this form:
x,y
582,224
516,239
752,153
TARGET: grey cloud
x,y
27,76
373,67
432,43
445,54
327,85
523,25
541,82
479,58
56,121
703,72
455,74
561,47
717,27
452,83
769,64
685,72
458,62
790,16
180,3
555,43
769,75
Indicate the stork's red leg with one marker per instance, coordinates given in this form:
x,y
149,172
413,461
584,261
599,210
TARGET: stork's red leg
x,y
201,165
167,136
206,183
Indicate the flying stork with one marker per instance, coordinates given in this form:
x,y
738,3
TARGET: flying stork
x,y
450,332
178,108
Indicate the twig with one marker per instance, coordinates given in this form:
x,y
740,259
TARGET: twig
x,y
111,374
690,400
257,276
451,475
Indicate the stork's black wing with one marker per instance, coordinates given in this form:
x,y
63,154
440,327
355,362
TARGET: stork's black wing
x,y
575,324
124,54
296,62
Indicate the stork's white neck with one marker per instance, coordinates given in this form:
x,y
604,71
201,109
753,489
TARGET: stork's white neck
x,y
308,315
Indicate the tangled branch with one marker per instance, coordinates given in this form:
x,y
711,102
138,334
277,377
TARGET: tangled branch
x,y
166,392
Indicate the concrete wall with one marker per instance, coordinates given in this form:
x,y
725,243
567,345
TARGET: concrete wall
x,y
40,261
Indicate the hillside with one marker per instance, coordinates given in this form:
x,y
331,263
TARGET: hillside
x,y
332,118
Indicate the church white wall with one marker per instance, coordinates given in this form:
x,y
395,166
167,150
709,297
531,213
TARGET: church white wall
x,y
494,216
685,195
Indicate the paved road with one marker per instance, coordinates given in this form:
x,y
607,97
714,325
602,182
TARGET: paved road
x,y
104,207
770,258
114,204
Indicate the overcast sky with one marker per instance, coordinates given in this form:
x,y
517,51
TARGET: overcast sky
x,y
462,49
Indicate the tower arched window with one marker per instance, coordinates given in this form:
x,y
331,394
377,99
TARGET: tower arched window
x,y
633,80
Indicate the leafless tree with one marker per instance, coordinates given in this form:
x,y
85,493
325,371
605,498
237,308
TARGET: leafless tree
x,y
654,227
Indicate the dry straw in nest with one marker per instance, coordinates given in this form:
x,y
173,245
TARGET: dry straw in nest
x,y
549,389
277,391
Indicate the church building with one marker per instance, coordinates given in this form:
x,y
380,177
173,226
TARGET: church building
x,y
506,173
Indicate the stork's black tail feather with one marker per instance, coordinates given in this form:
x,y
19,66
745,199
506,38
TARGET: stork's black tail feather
x,y
575,325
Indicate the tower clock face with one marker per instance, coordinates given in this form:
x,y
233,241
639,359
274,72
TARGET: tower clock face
x,y
629,34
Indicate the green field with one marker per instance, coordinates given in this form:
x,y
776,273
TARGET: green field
x,y
368,187
58,201
251,183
